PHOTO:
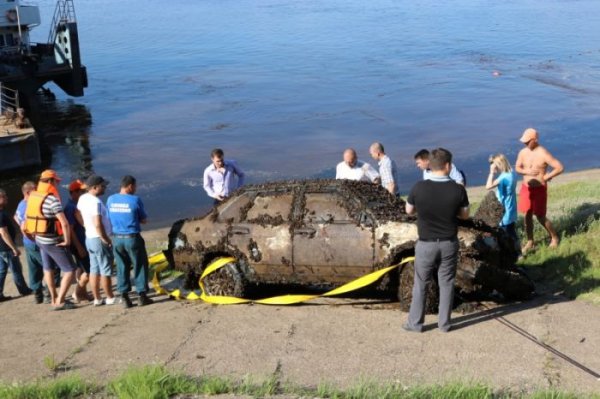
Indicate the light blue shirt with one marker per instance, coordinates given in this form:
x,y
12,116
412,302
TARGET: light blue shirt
x,y
222,183
507,195
454,175
20,213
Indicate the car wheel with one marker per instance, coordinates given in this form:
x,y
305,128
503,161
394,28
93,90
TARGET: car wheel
x,y
405,289
227,281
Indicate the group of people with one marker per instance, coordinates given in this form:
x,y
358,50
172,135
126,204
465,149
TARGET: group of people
x,y
440,203
80,239
76,240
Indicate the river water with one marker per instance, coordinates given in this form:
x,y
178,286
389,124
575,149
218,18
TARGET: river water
x,y
285,86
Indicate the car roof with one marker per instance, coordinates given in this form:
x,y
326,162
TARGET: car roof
x,y
357,195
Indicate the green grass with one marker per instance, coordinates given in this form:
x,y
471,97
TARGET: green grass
x,y
573,267
65,387
157,382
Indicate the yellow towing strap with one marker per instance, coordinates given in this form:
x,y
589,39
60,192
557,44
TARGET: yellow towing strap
x,y
159,262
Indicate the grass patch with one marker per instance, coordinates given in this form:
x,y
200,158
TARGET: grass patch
x,y
66,387
573,267
157,382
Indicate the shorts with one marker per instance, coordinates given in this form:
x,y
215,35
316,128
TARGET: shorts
x,y
81,263
101,257
533,199
53,256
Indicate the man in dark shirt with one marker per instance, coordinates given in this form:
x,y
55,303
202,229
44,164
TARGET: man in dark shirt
x,y
9,253
439,202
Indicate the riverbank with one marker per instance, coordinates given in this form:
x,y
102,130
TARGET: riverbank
x,y
340,341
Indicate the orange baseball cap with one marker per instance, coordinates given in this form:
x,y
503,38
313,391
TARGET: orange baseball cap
x,y
528,135
77,185
50,174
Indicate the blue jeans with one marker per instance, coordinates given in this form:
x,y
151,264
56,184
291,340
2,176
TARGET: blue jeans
x,y
130,252
7,259
36,270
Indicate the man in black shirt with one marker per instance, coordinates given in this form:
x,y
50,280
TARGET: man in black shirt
x,y
9,253
439,203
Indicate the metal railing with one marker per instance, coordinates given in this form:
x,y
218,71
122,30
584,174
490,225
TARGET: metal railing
x,y
63,13
9,99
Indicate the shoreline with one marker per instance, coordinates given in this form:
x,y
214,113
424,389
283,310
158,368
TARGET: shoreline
x,y
156,238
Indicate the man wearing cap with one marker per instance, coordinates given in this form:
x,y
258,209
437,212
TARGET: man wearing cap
x,y
126,212
82,259
533,162
45,219
97,239
353,169
219,177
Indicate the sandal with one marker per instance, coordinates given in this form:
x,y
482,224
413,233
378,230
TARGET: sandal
x,y
65,306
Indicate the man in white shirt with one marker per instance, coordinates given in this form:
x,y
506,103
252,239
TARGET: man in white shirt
x,y
422,162
353,169
97,239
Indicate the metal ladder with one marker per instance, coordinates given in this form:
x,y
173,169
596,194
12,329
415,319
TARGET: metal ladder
x,y
63,13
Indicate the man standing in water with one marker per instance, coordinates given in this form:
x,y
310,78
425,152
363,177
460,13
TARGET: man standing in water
x,y
533,162
219,177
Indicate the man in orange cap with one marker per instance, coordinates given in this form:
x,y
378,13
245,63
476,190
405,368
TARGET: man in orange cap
x,y
45,219
533,162
82,260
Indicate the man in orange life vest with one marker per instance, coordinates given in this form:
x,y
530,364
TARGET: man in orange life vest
x,y
45,219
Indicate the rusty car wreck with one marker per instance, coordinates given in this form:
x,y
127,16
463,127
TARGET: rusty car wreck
x,y
326,233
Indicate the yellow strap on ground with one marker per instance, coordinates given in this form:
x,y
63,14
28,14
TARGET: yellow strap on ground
x,y
160,263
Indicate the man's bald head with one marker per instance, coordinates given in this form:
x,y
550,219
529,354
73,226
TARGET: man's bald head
x,y
350,157
376,150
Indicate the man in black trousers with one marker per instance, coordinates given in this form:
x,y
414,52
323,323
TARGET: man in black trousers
x,y
439,202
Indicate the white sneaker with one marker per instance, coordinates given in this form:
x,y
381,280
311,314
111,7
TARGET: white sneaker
x,y
110,301
98,302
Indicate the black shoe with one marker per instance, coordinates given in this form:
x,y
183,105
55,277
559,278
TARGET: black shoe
x,y
407,327
144,300
38,297
4,298
28,292
126,301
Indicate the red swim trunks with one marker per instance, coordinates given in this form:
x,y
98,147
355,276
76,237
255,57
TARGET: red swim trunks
x,y
533,199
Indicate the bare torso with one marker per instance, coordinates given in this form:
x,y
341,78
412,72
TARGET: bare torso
x,y
533,165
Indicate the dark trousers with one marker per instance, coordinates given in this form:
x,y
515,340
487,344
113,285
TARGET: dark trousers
x,y
9,261
511,231
429,256
130,252
36,271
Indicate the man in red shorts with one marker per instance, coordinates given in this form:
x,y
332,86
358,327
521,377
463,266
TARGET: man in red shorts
x,y
533,162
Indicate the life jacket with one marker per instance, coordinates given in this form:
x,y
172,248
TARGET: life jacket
x,y
35,221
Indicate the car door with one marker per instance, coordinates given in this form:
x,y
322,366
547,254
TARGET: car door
x,y
329,245
263,235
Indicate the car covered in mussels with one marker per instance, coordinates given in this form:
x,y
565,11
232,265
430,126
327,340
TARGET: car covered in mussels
x,y
329,232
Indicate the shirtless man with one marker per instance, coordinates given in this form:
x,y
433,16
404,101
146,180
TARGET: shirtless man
x,y
533,162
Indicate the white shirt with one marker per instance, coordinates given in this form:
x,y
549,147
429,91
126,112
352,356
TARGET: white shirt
x,y
90,206
362,171
454,175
